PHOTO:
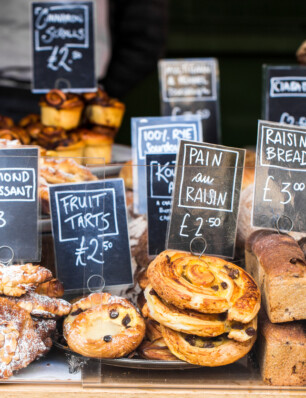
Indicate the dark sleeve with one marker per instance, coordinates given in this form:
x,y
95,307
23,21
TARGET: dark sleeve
x,y
138,33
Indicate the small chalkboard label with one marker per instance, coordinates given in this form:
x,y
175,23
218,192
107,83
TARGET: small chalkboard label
x,y
18,202
160,183
158,135
89,225
280,182
285,94
206,197
190,86
63,46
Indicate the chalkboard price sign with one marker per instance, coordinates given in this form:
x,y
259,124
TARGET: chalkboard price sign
x,y
18,202
190,86
206,197
158,135
63,46
280,182
285,94
89,225
160,183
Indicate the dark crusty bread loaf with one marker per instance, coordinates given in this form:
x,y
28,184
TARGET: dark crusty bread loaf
x,y
278,265
281,352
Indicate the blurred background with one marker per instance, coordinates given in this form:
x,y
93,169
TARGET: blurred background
x,y
242,35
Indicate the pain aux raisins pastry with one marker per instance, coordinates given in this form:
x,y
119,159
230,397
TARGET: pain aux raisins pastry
x,y
154,346
27,319
103,110
103,326
61,110
206,307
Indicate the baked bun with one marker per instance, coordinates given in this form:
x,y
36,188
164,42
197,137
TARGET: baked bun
x,y
103,110
103,326
217,351
61,110
207,284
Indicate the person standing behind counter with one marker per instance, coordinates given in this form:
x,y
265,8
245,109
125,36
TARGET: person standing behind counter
x,y
130,38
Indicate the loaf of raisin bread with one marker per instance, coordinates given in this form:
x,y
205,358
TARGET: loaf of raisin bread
x,y
281,352
278,265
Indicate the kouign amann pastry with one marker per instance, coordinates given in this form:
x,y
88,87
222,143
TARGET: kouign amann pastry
x,y
207,284
61,110
17,280
281,352
278,264
103,326
216,351
103,110
20,344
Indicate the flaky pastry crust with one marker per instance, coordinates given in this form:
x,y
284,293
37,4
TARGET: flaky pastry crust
x,y
206,284
211,352
103,326
16,280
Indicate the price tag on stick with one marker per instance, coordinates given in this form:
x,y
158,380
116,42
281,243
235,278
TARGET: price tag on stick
x,y
160,183
158,135
191,86
285,94
18,203
89,224
280,181
63,46
206,198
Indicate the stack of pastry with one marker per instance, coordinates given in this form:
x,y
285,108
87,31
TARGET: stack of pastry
x,y
70,125
27,314
278,264
206,307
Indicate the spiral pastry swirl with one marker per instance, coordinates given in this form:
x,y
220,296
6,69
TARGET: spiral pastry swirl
x,y
208,285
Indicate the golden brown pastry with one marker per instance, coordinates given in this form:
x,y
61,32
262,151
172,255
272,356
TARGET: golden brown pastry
x,y
208,285
58,171
43,306
103,326
15,133
127,174
210,351
16,280
6,122
20,344
98,147
192,322
48,137
154,346
278,264
28,120
61,110
103,110
53,288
